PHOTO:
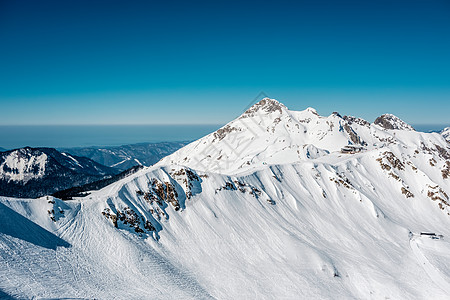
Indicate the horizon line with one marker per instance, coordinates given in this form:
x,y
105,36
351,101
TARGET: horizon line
x,y
167,124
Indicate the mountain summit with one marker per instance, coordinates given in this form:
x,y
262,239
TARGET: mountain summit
x,y
270,133
266,105
388,121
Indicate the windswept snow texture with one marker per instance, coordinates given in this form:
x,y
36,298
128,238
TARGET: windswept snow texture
x,y
300,220
82,256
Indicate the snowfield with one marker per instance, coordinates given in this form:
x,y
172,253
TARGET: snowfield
x,y
446,133
31,167
267,207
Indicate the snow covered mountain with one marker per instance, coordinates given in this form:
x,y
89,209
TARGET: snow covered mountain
x,y
33,172
126,156
268,133
275,204
446,134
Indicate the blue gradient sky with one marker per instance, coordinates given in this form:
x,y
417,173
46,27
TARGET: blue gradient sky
x,y
190,62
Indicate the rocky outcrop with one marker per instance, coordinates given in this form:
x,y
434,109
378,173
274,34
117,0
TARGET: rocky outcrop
x,y
266,105
222,132
353,136
127,217
351,120
388,121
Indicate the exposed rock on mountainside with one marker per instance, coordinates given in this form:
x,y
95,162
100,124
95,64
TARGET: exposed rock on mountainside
x,y
266,105
359,121
388,121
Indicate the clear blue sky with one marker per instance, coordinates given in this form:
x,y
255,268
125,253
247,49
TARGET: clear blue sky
x,y
163,62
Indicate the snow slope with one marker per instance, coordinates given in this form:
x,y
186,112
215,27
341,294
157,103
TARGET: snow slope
x,y
300,220
446,134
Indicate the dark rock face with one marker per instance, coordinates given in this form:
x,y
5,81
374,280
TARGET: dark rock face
x,y
384,123
34,172
222,132
388,121
350,120
266,105
353,136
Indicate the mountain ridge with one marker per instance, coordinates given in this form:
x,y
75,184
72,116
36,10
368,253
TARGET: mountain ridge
x,y
302,220
261,127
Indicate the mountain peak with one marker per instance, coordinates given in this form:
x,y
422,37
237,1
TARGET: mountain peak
x,y
265,105
389,121
312,110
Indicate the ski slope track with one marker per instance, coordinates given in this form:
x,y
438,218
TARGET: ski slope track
x,y
267,207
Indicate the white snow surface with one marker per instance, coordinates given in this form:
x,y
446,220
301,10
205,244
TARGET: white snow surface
x,y
22,166
446,133
280,214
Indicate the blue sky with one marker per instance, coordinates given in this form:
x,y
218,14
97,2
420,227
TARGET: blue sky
x,y
193,62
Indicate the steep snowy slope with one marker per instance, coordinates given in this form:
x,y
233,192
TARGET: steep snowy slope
x,y
78,255
301,220
446,134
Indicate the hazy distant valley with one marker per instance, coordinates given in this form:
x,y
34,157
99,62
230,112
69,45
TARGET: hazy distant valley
x,y
126,156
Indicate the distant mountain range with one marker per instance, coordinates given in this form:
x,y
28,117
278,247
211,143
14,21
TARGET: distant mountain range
x,y
34,172
127,156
